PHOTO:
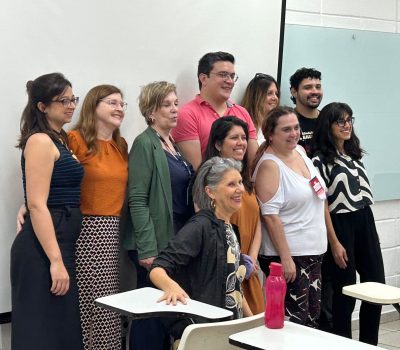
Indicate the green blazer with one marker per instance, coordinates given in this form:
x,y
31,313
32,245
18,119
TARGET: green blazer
x,y
148,220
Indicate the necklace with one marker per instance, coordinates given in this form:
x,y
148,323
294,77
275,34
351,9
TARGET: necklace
x,y
62,141
175,152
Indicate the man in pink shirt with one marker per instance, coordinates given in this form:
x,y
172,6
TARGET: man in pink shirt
x,y
217,77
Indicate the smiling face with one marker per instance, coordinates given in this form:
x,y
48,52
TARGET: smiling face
x,y
342,133
227,194
57,115
234,145
309,94
286,133
271,99
166,117
214,87
109,111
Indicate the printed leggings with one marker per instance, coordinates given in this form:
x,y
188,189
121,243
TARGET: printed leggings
x,y
303,296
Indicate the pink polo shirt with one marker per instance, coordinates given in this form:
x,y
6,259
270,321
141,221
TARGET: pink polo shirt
x,y
196,117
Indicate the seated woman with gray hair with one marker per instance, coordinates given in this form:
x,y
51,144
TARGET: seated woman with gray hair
x,y
203,260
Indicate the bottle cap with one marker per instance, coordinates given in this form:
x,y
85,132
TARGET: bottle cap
x,y
275,269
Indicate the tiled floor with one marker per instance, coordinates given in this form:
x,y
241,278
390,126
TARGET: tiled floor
x,y
389,335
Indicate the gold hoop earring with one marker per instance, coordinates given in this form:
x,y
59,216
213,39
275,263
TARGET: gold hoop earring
x,y
213,204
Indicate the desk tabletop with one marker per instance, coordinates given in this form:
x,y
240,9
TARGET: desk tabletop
x,y
373,292
142,303
294,337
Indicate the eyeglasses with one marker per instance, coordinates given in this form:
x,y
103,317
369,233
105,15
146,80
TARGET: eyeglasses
x,y
114,104
66,102
342,122
225,76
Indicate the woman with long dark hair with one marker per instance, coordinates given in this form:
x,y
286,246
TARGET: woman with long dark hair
x,y
43,283
353,239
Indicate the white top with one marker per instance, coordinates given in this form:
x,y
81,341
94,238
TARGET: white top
x,y
294,337
298,207
142,303
373,292
260,137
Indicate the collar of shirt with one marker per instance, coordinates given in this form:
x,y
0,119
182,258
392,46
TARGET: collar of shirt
x,y
201,101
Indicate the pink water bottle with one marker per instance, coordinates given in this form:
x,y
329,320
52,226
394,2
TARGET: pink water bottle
x,y
275,290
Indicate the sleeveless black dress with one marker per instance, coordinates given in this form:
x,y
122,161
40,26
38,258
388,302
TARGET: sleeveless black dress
x,y
41,320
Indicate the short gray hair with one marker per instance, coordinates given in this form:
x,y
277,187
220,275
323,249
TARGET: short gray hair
x,y
210,174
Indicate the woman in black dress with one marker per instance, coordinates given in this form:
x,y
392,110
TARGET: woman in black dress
x,y
45,312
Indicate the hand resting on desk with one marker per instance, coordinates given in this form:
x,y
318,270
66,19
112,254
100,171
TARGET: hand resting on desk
x,y
172,290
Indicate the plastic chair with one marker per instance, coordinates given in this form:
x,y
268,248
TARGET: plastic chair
x,y
214,336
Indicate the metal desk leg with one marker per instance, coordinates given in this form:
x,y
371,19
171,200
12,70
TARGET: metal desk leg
x,y
397,307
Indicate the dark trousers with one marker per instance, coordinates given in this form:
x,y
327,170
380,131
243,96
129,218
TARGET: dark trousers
x,y
325,322
149,333
357,233
40,319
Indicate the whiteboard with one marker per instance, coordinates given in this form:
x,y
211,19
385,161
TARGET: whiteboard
x,y
128,43
360,68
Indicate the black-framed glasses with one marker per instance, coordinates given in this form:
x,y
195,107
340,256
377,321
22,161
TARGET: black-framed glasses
x,y
114,104
66,102
226,76
342,122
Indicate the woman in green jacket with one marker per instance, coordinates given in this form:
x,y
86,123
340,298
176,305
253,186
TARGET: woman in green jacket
x,y
156,212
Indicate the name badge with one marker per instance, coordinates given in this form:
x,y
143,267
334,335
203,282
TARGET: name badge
x,y
318,188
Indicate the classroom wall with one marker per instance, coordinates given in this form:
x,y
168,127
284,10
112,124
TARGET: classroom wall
x,y
368,15
125,43
371,15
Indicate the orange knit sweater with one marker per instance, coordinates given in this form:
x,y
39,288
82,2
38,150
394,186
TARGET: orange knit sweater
x,y
106,175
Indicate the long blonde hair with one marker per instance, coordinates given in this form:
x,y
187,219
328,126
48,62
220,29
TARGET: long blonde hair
x,y
87,119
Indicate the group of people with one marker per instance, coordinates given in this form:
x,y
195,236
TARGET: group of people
x,y
206,193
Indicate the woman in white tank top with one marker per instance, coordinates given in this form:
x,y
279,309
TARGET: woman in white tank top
x,y
291,195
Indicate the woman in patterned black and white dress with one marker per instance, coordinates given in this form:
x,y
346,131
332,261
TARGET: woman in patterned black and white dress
x,y
97,143
353,239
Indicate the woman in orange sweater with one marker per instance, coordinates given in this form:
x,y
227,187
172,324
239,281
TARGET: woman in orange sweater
x,y
97,143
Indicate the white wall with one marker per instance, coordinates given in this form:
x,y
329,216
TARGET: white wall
x,y
126,43
387,216
371,15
